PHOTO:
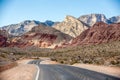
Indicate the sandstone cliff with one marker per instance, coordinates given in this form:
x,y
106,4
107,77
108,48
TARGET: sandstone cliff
x,y
71,26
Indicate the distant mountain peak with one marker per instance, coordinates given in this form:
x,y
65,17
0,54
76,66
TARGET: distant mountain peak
x,y
24,26
91,19
69,18
114,19
94,14
49,23
29,22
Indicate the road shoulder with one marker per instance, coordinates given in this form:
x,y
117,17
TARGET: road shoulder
x,y
113,71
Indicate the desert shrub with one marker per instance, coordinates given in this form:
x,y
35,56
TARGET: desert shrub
x,y
93,54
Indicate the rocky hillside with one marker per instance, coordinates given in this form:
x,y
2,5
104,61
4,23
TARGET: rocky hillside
x,y
23,27
71,26
41,36
74,26
99,33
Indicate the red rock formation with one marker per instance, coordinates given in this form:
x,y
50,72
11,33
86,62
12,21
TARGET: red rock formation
x,y
43,40
3,41
40,36
99,33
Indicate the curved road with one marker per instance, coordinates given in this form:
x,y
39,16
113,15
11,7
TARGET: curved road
x,y
64,72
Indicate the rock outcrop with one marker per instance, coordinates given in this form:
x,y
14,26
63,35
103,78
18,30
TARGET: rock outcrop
x,y
99,33
71,26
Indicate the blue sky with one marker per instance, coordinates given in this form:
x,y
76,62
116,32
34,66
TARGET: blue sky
x,y
15,11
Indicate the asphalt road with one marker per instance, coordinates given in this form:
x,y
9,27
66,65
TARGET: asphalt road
x,y
64,72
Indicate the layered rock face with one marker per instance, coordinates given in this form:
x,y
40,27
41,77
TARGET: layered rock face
x,y
41,36
99,33
71,26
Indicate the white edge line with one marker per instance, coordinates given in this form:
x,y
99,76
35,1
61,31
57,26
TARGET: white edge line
x,y
37,75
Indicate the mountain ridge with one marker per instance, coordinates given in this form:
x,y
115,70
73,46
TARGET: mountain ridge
x,y
70,25
23,27
91,19
74,26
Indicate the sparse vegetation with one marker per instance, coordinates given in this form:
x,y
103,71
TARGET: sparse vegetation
x,y
102,54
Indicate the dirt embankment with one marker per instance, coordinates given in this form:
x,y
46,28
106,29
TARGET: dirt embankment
x,y
7,66
23,71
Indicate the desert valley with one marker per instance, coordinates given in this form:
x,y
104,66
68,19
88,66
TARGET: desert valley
x,y
90,41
